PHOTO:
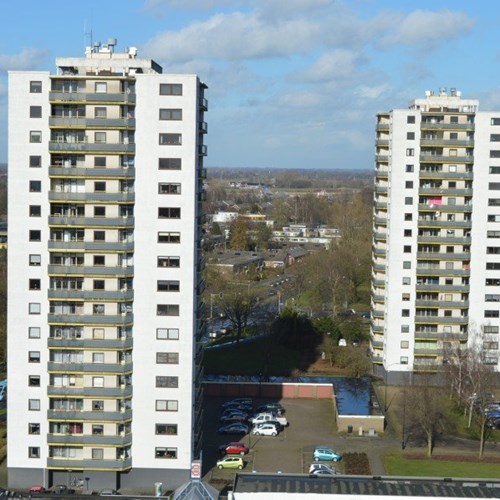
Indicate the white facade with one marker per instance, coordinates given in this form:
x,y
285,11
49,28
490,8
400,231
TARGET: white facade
x,y
105,182
436,258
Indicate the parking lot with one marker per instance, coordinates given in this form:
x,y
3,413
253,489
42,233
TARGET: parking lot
x,y
311,423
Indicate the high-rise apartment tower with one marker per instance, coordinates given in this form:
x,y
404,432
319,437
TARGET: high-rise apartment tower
x,y
105,190
436,242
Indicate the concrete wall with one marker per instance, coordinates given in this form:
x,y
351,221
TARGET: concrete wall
x,y
269,390
375,422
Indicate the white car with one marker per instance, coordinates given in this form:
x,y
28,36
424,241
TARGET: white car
x,y
322,470
265,430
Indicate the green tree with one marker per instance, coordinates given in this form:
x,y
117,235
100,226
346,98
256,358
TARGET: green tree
x,y
281,212
239,238
262,235
215,229
354,359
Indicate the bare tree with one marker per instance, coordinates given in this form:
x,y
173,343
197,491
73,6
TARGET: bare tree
x,y
238,307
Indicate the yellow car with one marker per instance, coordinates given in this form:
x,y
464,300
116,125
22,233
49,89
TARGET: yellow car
x,y
231,462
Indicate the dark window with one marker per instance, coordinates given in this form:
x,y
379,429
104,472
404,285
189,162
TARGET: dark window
x,y
97,405
408,200
35,210
34,357
169,163
410,136
405,313
407,249
98,284
99,211
35,136
170,88
99,235
34,452
169,237
493,313
35,186
408,217
35,235
170,382
35,87
34,380
34,428
165,452
453,119
409,184
495,121
99,186
167,358
168,429
493,266
495,153
494,202
167,310
170,139
99,260
35,111
164,188
169,213
168,286
170,114
34,284
409,168
35,161
169,261
410,119
410,152
100,161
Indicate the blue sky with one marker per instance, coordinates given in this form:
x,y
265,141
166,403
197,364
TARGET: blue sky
x,y
292,83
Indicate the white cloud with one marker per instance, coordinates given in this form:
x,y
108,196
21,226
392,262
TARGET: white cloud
x,y
25,60
427,29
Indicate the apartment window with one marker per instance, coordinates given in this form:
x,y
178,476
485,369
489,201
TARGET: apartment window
x,y
33,428
408,217
99,161
490,345
167,333
403,360
410,136
35,235
169,213
97,429
406,264
33,404
490,329
165,452
36,136
167,382
493,250
35,87
408,200
405,328
166,405
98,405
98,309
452,168
100,211
35,211
170,88
166,429
410,152
97,453
170,139
100,137
34,452
490,360
99,235
98,284
34,284
409,184
453,136
168,188
494,266
491,313
97,381
101,87
169,237
34,332
406,280
409,168
167,358
405,297
35,186
170,114
97,357
35,161
407,233
407,248
453,119
34,308
169,163
167,310
98,333
405,313
410,119
99,260
493,218
100,112
452,201
33,356
99,186
405,344
168,285
35,111
169,261
34,380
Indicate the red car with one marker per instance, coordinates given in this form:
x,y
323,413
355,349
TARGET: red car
x,y
37,490
234,449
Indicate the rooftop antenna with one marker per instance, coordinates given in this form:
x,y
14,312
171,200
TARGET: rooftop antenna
x,y
87,35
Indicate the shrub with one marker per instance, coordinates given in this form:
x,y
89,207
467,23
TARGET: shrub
x,y
356,464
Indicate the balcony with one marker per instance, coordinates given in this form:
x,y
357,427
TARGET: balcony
x,y
446,159
462,320
96,416
424,125
73,122
92,173
118,344
424,174
445,240
203,127
91,222
91,294
85,97
202,150
89,464
88,392
89,439
108,368
203,103
125,246
441,288
423,207
382,158
91,319
431,271
92,196
465,143
442,304
382,142
444,223
114,271
88,147
441,336
443,256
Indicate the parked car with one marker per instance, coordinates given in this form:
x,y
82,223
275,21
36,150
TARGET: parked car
x,y
492,413
231,412
266,417
109,492
230,462
61,489
235,417
272,422
322,470
37,490
493,423
272,408
238,401
342,343
323,453
234,428
234,449
265,430
238,407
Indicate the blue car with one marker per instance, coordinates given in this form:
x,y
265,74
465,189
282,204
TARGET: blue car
x,y
322,453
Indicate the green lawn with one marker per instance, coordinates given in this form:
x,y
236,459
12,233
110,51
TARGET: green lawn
x,y
398,466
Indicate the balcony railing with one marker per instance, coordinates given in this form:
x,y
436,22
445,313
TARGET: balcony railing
x,y
92,196
117,368
91,294
126,343
125,246
88,464
97,416
104,147
91,173
73,270
92,221
67,97
87,122
113,392
91,319
89,439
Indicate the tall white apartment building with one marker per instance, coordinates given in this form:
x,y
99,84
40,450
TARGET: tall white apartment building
x,y
104,311
436,243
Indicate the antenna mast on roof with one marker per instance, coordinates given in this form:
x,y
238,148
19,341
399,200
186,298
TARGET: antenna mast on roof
x,y
87,34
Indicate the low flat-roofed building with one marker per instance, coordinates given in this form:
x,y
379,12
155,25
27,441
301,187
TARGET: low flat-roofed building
x,y
236,262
